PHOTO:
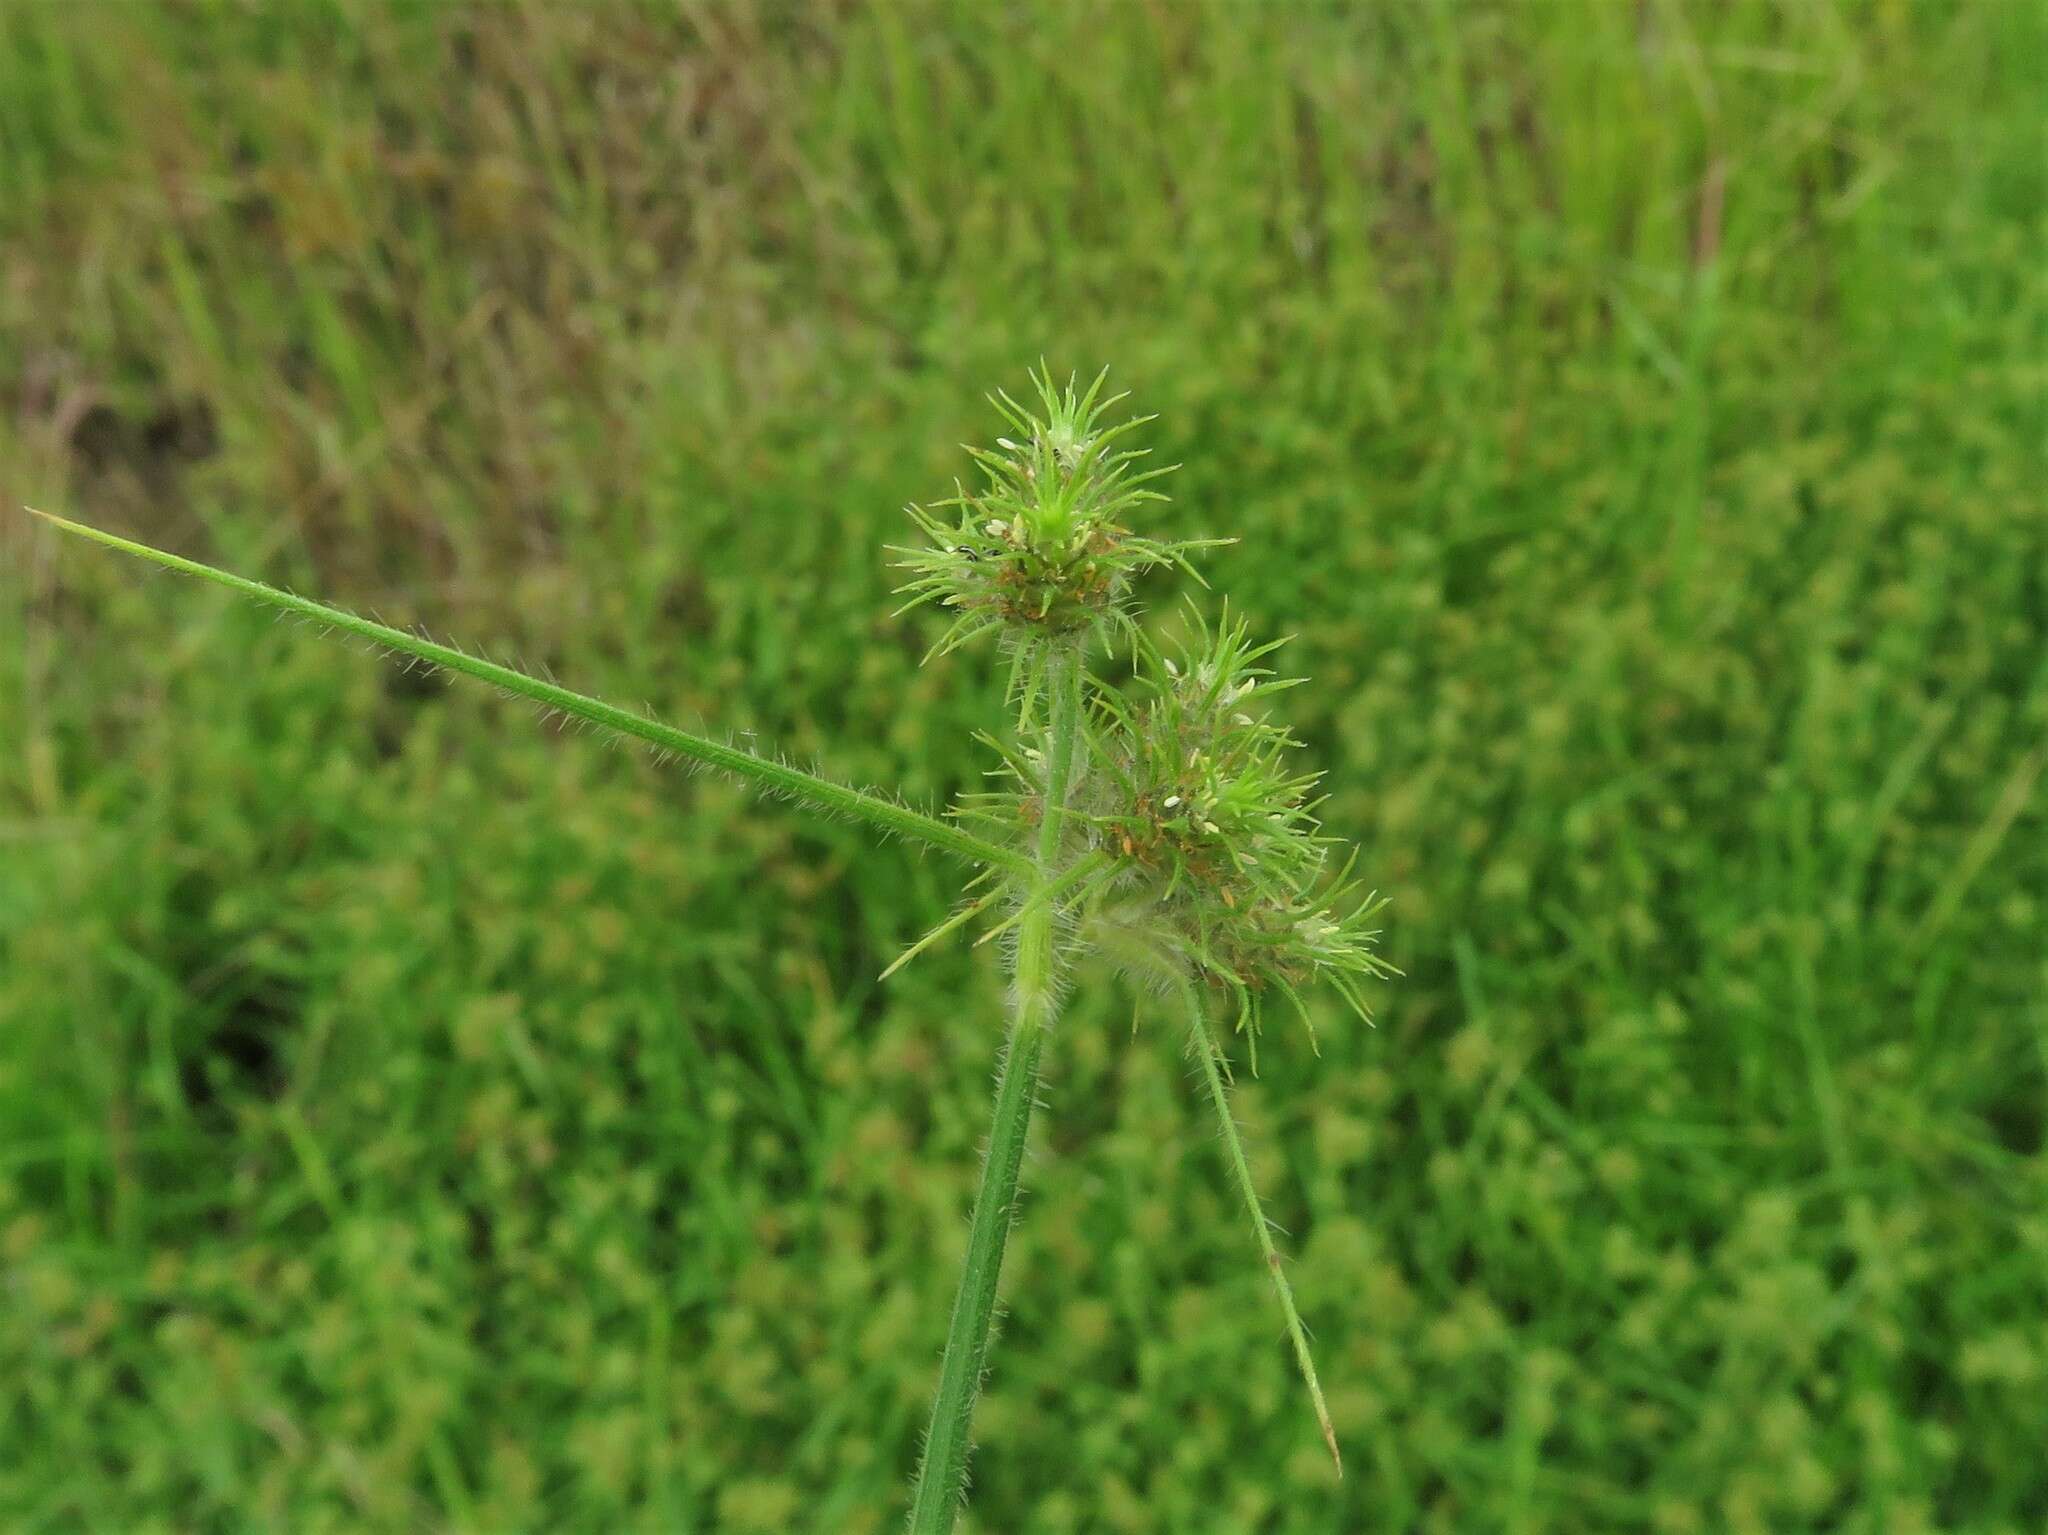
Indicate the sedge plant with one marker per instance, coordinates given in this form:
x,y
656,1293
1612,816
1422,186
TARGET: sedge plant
x,y
1163,825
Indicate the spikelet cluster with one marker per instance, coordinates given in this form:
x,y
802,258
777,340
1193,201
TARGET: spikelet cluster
x,y
1200,828
1043,550
1199,802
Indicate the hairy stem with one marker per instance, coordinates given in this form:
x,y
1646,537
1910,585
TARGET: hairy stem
x,y
1210,1054
942,1475
769,776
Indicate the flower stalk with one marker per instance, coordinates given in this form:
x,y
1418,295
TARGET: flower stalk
x,y
941,1484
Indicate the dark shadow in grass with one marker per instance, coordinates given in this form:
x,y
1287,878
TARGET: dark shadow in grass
x,y
175,432
242,1056
2015,1118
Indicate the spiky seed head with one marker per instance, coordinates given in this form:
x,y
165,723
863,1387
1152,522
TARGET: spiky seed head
x,y
1213,861
1214,827
1044,550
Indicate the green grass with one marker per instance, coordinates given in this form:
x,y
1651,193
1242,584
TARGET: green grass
x,y
413,1119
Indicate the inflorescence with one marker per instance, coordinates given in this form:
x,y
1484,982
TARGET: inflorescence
x,y
1042,551
1205,856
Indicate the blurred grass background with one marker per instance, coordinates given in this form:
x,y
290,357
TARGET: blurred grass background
x,y
414,1120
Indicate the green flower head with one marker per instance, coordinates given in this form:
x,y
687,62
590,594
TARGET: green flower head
x,y
1043,550
1194,834
1200,805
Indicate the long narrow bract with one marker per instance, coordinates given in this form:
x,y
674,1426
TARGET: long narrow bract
x,y
762,772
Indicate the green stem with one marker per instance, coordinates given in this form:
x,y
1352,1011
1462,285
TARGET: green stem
x,y
942,1474
1211,1056
772,777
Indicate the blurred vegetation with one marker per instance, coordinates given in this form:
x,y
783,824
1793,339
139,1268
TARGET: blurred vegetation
x,y
414,1120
